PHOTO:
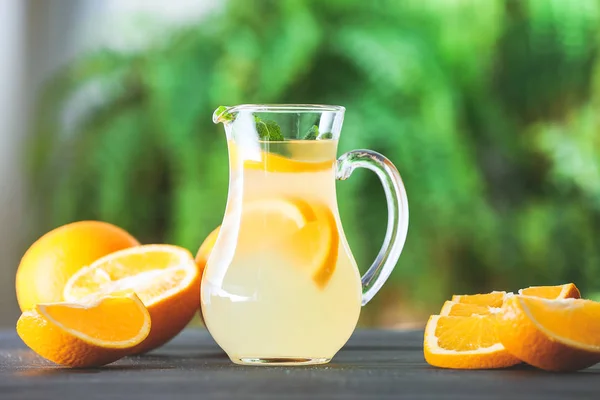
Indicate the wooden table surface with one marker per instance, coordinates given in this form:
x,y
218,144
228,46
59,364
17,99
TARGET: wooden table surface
x,y
374,364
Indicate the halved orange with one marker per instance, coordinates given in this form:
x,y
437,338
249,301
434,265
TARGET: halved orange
x,y
555,335
465,343
492,299
566,291
164,277
453,308
85,335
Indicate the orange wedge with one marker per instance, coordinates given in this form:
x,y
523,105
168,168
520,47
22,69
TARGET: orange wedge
x,y
566,291
465,343
555,335
492,299
452,308
164,277
85,335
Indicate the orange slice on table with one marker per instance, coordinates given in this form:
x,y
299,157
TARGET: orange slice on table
x,y
492,299
452,308
164,277
85,335
566,291
465,343
478,304
555,335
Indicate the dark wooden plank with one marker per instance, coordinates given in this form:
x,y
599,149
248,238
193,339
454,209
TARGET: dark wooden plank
x,y
374,364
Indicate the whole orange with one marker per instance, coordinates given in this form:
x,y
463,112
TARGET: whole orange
x,y
204,252
56,256
206,248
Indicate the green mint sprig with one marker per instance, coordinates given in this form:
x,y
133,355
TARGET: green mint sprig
x,y
313,134
268,130
223,115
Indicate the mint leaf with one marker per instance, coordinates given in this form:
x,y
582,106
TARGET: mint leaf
x,y
312,133
268,130
222,114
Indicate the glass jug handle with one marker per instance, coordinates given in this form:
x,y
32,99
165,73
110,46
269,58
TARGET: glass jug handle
x,y
397,204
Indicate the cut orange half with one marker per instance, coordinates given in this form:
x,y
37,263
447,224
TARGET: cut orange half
x,y
566,291
452,308
85,335
465,343
164,277
555,335
492,299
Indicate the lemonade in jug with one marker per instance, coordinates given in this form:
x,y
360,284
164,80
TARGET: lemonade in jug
x,y
281,285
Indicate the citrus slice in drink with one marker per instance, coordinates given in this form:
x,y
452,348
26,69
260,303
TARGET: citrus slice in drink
x,y
275,163
492,299
303,232
554,335
566,291
271,162
164,277
465,343
85,335
265,222
315,246
452,308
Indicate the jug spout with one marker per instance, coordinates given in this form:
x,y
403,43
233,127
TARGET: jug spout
x,y
223,114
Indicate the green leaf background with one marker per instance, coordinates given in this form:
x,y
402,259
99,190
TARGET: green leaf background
x,y
489,109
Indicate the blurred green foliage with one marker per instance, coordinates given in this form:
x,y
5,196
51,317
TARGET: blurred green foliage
x,y
490,110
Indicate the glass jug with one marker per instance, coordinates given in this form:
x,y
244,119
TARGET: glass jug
x,y
281,285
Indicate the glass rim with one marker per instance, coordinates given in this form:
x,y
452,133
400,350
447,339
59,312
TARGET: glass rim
x,y
301,108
